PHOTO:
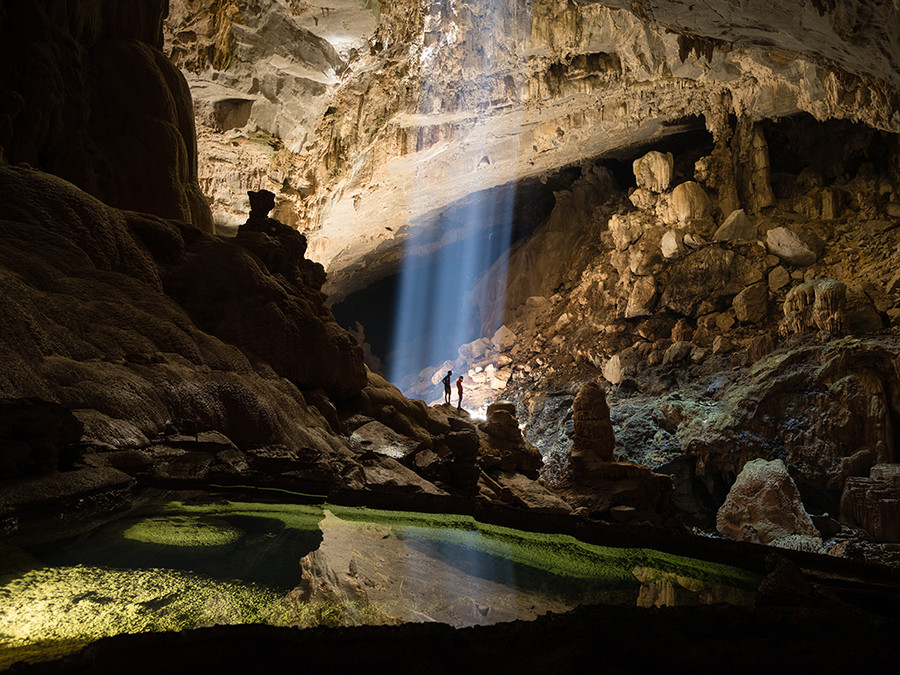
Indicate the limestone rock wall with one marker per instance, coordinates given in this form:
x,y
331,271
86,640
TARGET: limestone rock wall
x,y
356,116
87,94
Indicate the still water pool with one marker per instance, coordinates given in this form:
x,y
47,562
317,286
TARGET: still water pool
x,y
177,566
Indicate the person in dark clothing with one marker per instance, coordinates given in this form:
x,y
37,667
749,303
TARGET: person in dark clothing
x,y
459,390
446,382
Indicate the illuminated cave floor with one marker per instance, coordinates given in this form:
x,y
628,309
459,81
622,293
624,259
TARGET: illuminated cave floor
x,y
183,566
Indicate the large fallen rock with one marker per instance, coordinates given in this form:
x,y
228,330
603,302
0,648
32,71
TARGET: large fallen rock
x,y
654,171
795,245
764,507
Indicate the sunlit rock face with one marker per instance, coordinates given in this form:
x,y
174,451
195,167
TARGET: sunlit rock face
x,y
88,95
261,76
421,111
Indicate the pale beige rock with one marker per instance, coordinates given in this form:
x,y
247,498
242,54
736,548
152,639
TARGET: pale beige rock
x,y
625,231
764,507
694,240
796,245
672,244
654,171
503,339
642,297
472,351
737,227
614,370
644,258
688,201
643,199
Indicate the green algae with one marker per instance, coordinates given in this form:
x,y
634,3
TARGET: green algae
x,y
46,612
182,531
557,554
54,610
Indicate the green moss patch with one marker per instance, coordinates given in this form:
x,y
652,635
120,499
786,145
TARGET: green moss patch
x,y
182,531
51,611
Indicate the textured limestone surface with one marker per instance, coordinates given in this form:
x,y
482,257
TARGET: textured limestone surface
x,y
764,506
424,105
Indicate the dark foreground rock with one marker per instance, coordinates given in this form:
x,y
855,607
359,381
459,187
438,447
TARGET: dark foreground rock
x,y
622,639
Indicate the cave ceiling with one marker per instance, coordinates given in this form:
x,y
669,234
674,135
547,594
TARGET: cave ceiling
x,y
371,121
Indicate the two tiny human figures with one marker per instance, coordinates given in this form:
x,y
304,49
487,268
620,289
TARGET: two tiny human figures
x,y
459,389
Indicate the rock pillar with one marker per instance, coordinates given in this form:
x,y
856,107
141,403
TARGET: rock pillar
x,y
593,442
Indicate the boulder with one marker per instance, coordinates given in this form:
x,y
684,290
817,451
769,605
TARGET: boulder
x,y
642,297
614,370
503,339
678,352
682,331
778,278
645,258
654,171
764,507
376,437
737,227
672,244
643,199
625,231
722,345
795,245
752,304
471,352
688,201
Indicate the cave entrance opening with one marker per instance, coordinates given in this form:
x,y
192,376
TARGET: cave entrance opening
x,y
490,223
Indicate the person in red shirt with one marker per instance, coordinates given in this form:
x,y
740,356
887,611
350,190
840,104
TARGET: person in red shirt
x,y
459,389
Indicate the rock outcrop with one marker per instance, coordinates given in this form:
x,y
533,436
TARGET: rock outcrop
x,y
764,507
873,502
88,95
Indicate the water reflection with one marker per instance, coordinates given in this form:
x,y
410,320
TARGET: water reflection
x,y
183,566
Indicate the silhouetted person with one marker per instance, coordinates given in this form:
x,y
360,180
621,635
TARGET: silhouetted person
x,y
459,391
446,382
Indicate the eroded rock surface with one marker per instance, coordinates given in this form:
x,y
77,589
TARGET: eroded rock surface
x,y
764,506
